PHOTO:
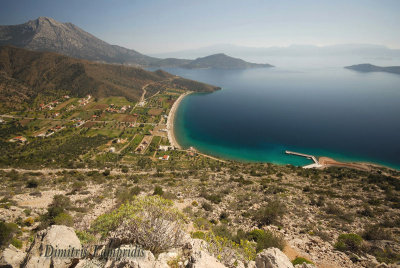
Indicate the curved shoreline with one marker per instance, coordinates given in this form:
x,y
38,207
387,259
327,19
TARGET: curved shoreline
x,y
170,121
325,161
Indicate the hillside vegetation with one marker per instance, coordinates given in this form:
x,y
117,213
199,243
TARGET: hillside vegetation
x,y
26,75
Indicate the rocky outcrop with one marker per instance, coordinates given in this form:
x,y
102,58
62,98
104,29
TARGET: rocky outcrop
x,y
50,249
304,265
201,259
47,241
272,258
12,257
146,261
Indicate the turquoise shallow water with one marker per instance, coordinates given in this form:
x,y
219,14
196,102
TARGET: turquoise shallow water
x,y
260,113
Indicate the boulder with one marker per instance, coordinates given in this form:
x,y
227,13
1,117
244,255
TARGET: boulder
x,y
58,237
272,258
147,261
201,259
304,265
196,255
12,257
164,258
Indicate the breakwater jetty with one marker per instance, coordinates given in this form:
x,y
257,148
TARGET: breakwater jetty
x,y
316,164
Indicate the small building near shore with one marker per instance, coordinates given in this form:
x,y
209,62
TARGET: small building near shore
x,y
165,158
165,148
20,139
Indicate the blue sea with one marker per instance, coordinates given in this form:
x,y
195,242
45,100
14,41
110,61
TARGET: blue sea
x,y
260,113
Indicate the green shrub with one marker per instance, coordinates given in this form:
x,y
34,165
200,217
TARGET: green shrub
x,y
301,260
207,206
385,255
270,213
7,232
106,172
198,235
59,205
376,232
349,242
266,239
225,249
214,198
223,216
367,212
29,221
16,242
85,237
63,219
202,224
32,183
144,221
124,195
222,231
158,191
125,169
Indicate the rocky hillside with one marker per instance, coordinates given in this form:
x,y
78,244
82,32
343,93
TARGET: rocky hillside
x,y
191,253
47,34
236,215
25,75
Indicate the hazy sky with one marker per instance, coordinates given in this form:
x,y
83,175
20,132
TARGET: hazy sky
x,y
151,26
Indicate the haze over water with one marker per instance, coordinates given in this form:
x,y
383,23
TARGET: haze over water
x,y
262,112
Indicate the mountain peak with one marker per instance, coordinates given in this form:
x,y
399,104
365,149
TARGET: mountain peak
x,y
47,34
47,20
219,55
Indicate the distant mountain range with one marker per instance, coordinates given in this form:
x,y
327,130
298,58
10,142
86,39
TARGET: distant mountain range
x,y
26,75
366,68
47,34
362,50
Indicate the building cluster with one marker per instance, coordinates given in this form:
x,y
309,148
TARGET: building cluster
x,y
142,147
165,148
50,131
50,106
84,101
114,109
79,122
19,139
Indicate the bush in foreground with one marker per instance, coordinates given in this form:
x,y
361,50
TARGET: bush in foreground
x,y
150,221
7,233
266,239
270,213
301,260
349,242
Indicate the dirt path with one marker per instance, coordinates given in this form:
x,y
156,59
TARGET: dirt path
x,y
126,145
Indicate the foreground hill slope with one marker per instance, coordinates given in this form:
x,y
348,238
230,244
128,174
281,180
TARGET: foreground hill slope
x,y
47,34
25,75
366,68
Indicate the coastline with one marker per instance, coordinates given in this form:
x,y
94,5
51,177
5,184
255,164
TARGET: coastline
x,y
171,119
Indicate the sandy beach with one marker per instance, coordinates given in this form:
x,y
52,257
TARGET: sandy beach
x,y
170,121
329,162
